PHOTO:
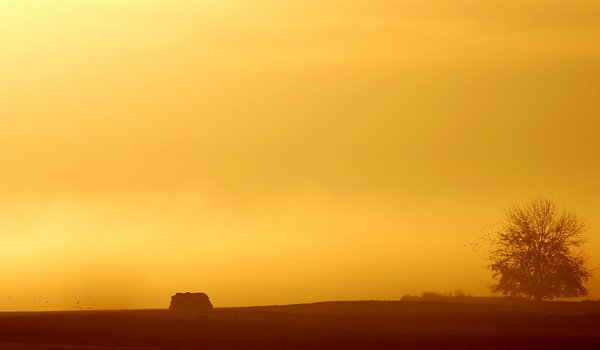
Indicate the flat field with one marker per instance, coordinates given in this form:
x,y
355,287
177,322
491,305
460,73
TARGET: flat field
x,y
329,325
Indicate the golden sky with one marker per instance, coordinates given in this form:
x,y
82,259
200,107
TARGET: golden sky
x,y
268,151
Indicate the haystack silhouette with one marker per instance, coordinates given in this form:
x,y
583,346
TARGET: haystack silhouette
x,y
195,302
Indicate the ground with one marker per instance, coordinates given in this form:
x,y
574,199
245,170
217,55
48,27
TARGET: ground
x,y
334,325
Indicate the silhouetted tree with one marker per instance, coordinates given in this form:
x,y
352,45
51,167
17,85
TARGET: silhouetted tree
x,y
537,253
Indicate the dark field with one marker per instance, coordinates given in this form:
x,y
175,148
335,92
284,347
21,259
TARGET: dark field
x,y
336,325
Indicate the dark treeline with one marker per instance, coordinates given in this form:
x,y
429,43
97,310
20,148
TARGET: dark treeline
x,y
460,296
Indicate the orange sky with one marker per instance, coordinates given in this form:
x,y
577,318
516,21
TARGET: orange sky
x,y
267,152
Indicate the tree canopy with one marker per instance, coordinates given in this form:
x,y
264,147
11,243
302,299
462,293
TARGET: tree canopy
x,y
538,253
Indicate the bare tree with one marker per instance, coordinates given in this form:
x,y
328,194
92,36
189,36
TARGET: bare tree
x,y
538,253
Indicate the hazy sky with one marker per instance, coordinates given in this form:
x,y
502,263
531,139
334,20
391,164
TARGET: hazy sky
x,y
268,151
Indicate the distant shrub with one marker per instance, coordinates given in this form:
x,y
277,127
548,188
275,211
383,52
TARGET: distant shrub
x,y
459,294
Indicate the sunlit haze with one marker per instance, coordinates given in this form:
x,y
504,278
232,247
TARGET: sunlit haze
x,y
271,152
